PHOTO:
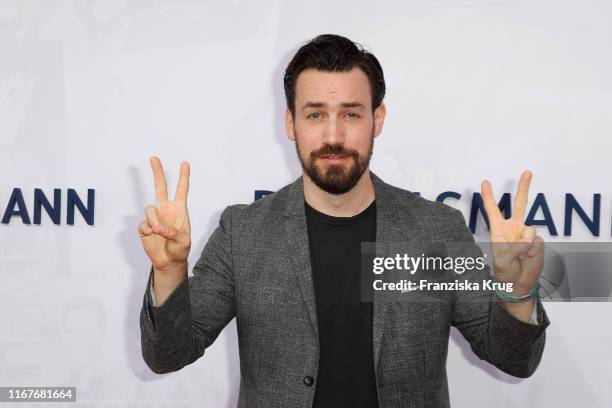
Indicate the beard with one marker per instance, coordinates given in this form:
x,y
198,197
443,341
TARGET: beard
x,y
336,178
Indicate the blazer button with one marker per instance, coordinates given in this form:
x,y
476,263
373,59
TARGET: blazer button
x,y
308,381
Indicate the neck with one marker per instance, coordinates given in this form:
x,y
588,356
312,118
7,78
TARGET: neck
x,y
343,205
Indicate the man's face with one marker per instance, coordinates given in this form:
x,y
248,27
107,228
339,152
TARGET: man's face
x,y
333,127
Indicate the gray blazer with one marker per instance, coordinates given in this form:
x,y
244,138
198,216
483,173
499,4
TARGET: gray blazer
x,y
256,267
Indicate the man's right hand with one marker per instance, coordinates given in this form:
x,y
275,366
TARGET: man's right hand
x,y
166,232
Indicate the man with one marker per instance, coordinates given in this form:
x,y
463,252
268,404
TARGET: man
x,y
287,266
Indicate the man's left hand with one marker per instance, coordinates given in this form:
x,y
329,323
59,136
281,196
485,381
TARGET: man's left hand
x,y
518,252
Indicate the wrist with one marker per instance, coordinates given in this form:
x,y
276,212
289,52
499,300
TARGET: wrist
x,y
170,275
172,268
518,295
522,310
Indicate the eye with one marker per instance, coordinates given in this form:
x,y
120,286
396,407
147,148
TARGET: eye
x,y
352,115
314,115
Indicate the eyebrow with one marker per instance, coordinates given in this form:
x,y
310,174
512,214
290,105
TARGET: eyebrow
x,y
354,104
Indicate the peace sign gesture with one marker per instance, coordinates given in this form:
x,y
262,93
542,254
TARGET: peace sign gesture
x,y
166,232
518,252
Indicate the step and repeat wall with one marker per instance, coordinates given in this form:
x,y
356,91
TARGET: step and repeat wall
x,y
89,90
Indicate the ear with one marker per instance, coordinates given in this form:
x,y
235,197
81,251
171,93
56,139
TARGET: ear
x,y
289,125
379,118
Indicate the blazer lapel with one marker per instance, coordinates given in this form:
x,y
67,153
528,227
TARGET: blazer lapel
x,y
296,234
388,230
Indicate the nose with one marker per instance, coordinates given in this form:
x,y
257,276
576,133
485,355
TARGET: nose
x,y
333,131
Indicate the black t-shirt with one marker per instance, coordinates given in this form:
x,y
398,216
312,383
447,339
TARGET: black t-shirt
x,y
346,363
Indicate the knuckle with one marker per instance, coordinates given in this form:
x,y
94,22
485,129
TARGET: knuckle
x,y
144,228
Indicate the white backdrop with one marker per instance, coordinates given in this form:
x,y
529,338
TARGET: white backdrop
x,y
89,90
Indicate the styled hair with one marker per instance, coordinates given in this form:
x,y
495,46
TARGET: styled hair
x,y
334,53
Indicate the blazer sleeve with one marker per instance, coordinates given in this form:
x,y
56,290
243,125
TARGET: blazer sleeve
x,y
177,332
494,334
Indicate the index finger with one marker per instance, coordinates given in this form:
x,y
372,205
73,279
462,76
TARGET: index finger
x,y
183,183
520,201
161,188
489,202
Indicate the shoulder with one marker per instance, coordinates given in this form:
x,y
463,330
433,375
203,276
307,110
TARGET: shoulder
x,y
260,212
420,207
431,217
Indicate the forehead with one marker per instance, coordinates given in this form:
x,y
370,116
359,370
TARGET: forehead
x,y
332,87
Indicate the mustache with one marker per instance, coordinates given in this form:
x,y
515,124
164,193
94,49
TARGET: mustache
x,y
335,150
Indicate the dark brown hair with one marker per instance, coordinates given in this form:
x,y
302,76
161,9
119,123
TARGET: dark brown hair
x,y
334,53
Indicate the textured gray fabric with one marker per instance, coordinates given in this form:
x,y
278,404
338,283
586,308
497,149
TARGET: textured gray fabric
x,y
256,267
533,319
